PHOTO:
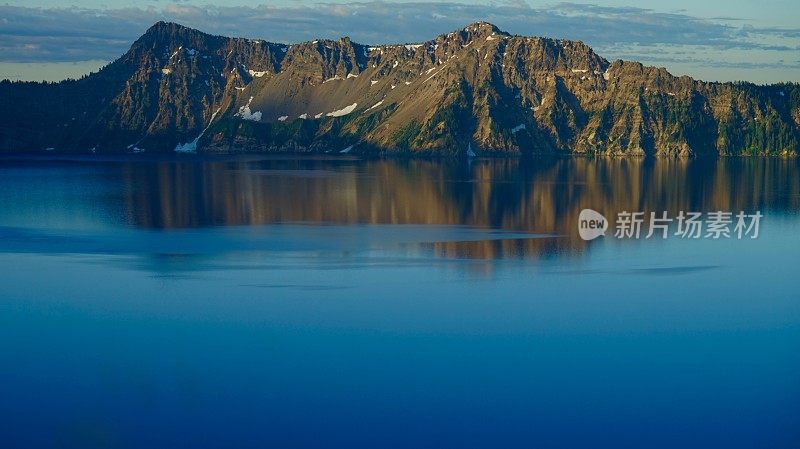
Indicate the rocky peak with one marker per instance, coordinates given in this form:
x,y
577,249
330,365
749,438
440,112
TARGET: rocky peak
x,y
169,33
478,31
163,39
482,29
162,26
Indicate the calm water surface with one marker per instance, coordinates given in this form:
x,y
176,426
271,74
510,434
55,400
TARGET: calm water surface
x,y
271,302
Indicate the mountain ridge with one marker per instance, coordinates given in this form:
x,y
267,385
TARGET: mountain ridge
x,y
476,90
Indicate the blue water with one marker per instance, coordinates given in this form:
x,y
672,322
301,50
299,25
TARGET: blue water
x,y
273,302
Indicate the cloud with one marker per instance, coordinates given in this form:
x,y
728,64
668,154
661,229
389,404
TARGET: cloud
x,y
65,35
58,34
709,62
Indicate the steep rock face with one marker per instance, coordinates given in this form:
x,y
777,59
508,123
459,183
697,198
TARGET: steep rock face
x,y
476,90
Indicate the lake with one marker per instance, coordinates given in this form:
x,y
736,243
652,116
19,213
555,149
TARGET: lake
x,y
286,302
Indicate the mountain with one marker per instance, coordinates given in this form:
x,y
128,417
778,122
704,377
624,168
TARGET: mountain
x,y
477,90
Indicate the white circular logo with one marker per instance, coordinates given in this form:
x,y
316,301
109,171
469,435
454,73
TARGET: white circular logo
x,y
591,224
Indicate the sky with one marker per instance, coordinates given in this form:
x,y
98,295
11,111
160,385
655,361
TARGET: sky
x,y
757,41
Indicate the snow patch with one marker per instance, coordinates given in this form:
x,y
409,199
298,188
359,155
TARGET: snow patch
x,y
517,128
303,116
413,47
350,75
580,70
375,105
373,82
256,74
318,115
347,150
166,71
246,114
335,78
283,118
396,63
344,111
191,147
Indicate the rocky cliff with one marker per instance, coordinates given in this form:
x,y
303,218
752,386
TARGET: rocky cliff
x,y
476,91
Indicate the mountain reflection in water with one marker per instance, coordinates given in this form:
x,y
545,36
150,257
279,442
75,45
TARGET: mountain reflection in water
x,y
510,205
539,196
